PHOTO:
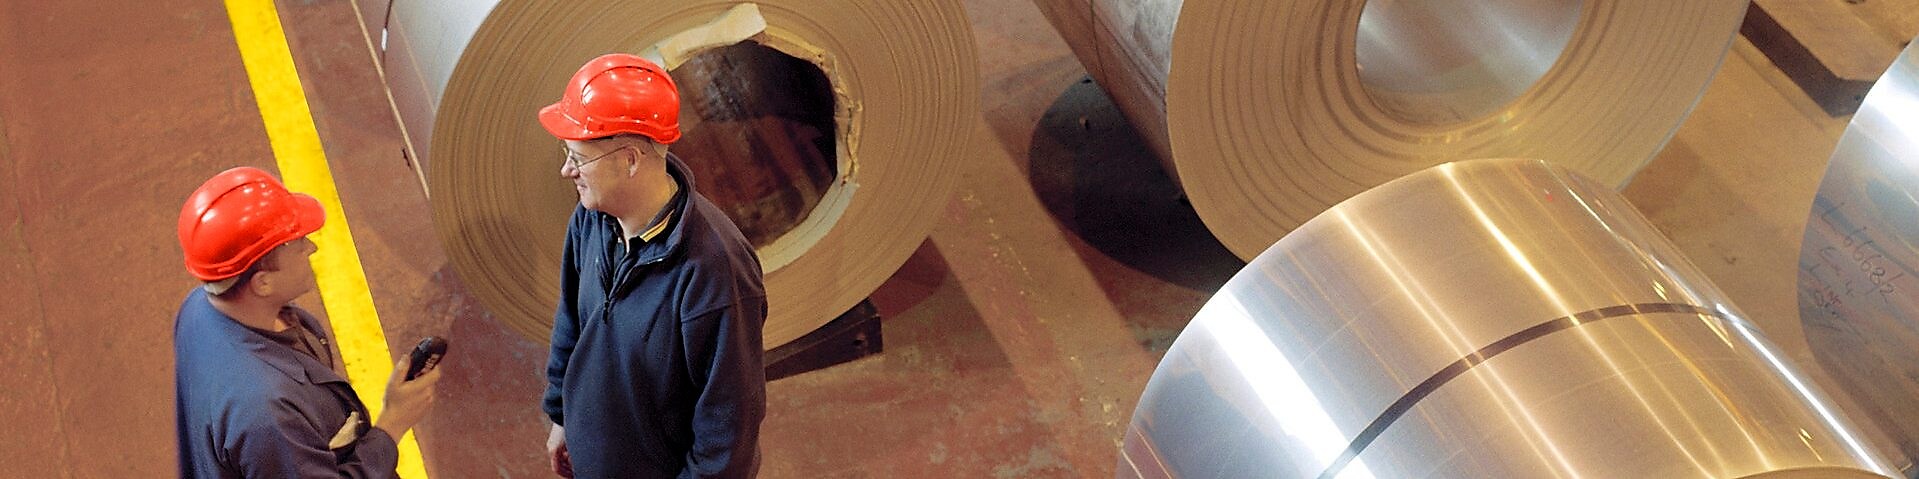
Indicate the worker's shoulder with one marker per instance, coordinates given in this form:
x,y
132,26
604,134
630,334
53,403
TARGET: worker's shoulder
x,y
244,395
232,373
237,369
709,235
716,264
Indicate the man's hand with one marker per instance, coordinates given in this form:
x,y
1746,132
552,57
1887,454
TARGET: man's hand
x,y
556,452
406,401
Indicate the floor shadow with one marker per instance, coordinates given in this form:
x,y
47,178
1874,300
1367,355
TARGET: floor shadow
x,y
914,282
1100,181
945,395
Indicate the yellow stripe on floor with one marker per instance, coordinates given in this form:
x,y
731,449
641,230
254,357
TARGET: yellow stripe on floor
x,y
303,165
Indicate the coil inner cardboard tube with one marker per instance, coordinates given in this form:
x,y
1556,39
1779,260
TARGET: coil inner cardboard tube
x,y
468,77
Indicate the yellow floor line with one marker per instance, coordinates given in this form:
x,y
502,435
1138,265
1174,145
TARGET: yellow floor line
x,y
303,165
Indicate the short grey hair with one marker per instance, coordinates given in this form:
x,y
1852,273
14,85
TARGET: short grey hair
x,y
642,142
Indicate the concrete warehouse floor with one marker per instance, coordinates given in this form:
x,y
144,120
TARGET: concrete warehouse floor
x,y
1017,338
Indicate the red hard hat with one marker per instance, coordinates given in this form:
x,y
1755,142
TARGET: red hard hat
x,y
616,93
237,217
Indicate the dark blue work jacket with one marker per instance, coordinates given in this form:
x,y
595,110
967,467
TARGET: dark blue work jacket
x,y
656,364
247,406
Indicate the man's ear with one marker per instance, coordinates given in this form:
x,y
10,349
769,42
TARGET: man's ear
x,y
261,284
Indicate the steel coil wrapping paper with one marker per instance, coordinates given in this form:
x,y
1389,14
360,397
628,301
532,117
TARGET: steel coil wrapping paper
x,y
1270,111
1484,318
1859,262
468,76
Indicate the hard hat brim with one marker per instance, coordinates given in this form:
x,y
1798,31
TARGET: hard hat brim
x,y
312,216
554,119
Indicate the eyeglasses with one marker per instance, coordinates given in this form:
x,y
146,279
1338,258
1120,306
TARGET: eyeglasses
x,y
573,157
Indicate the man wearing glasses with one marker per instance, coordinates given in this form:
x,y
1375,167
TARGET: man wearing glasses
x,y
656,367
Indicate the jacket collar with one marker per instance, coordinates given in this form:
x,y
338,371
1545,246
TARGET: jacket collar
x,y
295,365
670,241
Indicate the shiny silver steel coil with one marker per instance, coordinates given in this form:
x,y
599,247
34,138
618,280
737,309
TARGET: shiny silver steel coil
x,y
1859,262
1486,318
1271,111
